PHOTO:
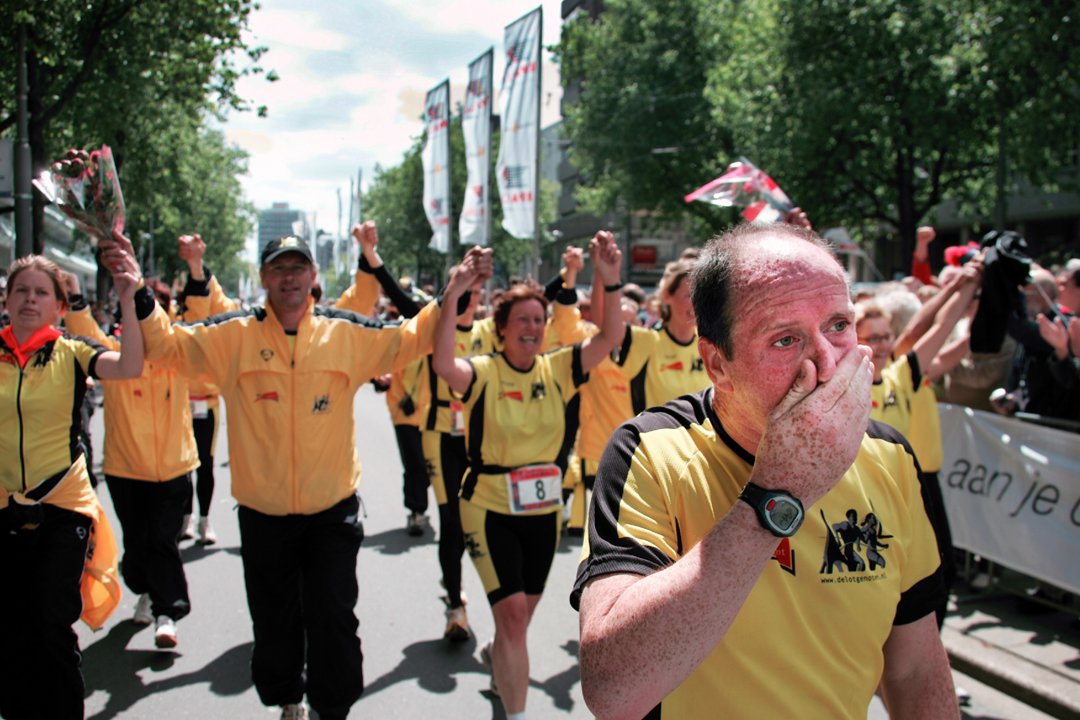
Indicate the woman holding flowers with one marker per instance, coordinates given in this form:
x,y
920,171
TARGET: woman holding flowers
x,y
54,538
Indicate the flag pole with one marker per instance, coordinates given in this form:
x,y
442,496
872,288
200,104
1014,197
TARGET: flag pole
x,y
536,185
449,186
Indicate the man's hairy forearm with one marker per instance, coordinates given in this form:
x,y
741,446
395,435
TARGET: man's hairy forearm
x,y
640,639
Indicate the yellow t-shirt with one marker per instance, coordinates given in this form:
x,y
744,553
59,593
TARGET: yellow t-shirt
x,y
477,339
808,640
673,369
605,398
905,400
515,418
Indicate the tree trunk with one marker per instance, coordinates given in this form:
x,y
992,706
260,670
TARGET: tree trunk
x,y
36,139
905,183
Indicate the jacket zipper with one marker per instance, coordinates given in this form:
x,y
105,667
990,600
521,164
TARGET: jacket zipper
x,y
296,406
22,430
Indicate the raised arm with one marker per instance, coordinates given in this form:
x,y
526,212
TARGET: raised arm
x,y
607,265
473,270
642,636
128,363
930,328
362,295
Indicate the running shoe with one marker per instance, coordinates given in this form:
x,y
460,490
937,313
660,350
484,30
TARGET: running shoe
x,y
297,711
164,632
457,625
485,658
188,528
416,523
207,536
142,615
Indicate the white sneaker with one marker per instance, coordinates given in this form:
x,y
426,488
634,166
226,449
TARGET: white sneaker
x,y
206,536
981,581
294,712
164,632
188,527
142,615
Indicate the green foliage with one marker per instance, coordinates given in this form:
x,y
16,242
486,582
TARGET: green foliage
x,y
871,112
187,176
395,202
140,76
643,72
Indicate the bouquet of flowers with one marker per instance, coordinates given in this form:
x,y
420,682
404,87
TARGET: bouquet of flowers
x,y
86,189
744,185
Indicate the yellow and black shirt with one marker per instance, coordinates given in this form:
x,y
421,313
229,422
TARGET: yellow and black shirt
x,y
905,400
515,418
672,369
42,385
808,640
477,339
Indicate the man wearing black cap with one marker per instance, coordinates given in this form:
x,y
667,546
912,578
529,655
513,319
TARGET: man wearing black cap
x,y
288,373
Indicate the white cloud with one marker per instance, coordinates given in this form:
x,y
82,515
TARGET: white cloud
x,y
351,80
302,29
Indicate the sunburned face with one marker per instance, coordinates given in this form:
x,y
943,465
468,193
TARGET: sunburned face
x,y
287,279
32,303
791,304
525,327
876,333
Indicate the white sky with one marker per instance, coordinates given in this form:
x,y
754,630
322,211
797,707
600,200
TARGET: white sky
x,y
353,80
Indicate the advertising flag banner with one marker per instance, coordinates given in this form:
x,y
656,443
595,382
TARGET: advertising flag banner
x,y
1012,493
436,160
519,101
476,125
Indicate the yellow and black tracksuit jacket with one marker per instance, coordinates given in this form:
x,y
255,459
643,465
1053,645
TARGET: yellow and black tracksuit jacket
x,y
291,431
148,432
42,385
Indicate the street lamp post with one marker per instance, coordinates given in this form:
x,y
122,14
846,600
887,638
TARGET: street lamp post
x,y
24,199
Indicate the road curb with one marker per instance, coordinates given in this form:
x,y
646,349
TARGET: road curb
x,y
1029,682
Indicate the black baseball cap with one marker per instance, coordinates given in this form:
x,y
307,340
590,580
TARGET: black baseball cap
x,y
282,245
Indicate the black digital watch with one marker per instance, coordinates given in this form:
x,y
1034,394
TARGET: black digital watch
x,y
778,511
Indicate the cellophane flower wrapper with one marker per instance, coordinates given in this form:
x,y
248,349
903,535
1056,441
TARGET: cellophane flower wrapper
x,y
86,188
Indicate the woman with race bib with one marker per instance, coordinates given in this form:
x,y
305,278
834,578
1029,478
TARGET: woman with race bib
x,y
515,405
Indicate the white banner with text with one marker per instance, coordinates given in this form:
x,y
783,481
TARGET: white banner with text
x,y
1012,493
435,158
519,98
476,126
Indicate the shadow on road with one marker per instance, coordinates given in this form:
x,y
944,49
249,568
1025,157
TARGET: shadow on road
x,y
110,667
397,541
435,663
195,551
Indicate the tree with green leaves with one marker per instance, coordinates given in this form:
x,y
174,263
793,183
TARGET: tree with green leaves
x,y
642,129
873,112
96,66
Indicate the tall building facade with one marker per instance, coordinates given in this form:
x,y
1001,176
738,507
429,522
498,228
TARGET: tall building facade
x,y
277,221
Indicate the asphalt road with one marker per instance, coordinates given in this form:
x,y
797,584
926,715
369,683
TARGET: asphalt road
x,y
410,672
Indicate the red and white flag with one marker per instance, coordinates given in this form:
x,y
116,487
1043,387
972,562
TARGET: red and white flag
x,y
436,160
474,225
744,185
516,170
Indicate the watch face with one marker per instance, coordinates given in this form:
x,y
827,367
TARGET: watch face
x,y
783,513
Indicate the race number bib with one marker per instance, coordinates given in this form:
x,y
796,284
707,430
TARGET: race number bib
x,y
534,487
199,409
457,418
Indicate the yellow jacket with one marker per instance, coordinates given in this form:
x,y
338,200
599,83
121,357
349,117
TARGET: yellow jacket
x,y
147,420
215,303
291,432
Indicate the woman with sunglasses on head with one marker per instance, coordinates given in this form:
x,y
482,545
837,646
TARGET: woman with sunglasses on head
x,y
58,550
515,405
